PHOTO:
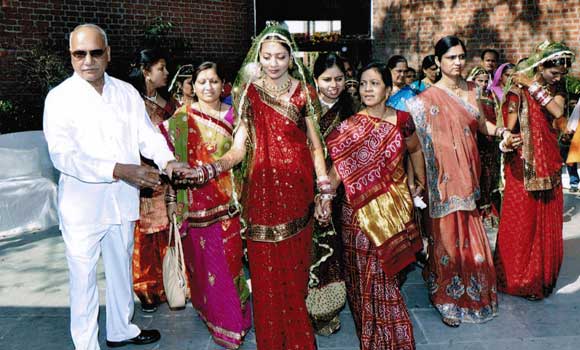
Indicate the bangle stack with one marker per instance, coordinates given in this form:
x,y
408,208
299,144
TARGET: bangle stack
x,y
202,174
325,190
540,94
499,132
170,198
503,147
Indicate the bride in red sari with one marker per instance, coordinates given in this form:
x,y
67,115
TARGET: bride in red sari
x,y
529,248
459,274
277,137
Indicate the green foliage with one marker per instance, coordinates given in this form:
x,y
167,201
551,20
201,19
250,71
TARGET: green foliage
x,y
15,116
42,69
157,32
160,34
572,85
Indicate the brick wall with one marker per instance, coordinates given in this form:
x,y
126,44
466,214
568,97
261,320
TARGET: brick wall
x,y
513,27
217,30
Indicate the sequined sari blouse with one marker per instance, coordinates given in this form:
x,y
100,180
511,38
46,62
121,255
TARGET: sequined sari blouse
x,y
280,185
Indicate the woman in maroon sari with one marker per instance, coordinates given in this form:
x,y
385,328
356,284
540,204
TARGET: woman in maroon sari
x,y
148,76
489,153
277,135
327,290
460,275
378,233
529,248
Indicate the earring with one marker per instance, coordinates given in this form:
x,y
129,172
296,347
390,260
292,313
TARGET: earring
x,y
291,64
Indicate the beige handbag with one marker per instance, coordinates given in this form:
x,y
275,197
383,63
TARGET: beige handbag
x,y
174,277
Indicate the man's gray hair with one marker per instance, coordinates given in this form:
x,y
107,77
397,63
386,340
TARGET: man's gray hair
x,y
88,25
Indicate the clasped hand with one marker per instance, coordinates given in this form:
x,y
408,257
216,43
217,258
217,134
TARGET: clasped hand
x,y
513,141
322,210
144,175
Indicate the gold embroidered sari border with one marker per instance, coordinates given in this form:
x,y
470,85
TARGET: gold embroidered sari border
x,y
277,233
206,217
284,108
222,331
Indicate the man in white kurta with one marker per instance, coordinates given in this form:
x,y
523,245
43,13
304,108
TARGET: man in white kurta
x,y
96,128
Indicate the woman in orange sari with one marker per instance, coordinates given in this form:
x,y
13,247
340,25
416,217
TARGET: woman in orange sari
x,y
379,236
149,76
529,248
460,275
277,109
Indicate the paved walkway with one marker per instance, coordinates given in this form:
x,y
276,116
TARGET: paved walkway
x,y
34,312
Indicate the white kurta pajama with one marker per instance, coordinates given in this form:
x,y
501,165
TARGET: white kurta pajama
x,y
87,135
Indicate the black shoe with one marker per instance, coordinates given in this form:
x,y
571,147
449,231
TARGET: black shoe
x,y
451,322
573,189
148,308
147,336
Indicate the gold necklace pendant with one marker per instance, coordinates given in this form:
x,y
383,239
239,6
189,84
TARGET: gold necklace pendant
x,y
276,90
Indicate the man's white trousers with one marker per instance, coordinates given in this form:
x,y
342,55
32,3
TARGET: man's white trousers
x,y
84,244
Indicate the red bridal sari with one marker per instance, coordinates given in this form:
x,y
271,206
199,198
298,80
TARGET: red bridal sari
x,y
278,208
151,228
378,233
459,274
212,246
529,247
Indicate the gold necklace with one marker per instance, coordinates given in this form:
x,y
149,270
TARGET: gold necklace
x,y
276,90
212,134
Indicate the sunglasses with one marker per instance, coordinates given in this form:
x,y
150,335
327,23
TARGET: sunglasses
x,y
81,54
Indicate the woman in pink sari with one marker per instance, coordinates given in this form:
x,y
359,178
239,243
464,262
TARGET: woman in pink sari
x,y
460,275
201,133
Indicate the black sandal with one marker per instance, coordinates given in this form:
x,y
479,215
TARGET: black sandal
x,y
451,322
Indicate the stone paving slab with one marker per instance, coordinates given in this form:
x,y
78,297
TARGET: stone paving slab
x,y
34,310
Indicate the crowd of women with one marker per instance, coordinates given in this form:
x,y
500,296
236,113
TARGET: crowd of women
x,y
319,182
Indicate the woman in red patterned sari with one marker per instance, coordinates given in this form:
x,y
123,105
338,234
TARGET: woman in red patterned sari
x,y
379,236
460,275
276,132
149,75
529,248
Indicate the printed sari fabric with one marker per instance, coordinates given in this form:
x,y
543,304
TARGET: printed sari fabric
x,y
529,249
278,202
489,154
212,245
378,234
151,228
459,274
